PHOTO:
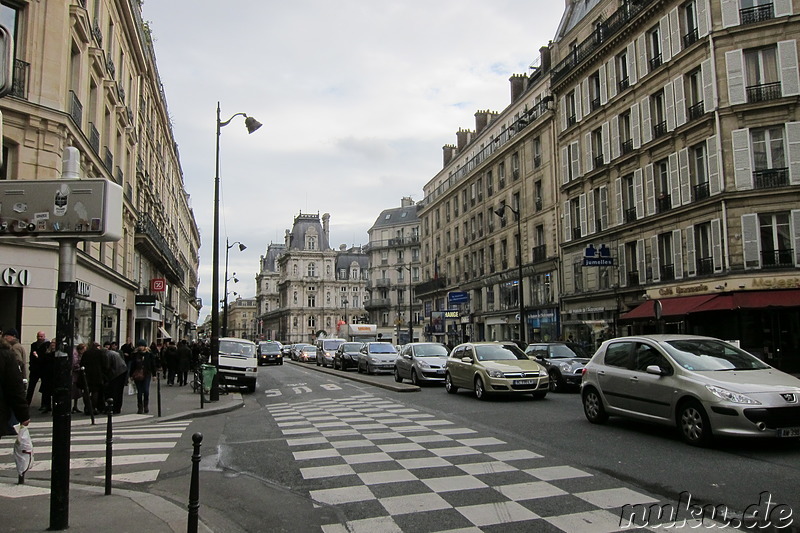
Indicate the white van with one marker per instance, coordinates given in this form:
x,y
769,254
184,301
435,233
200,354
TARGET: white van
x,y
238,363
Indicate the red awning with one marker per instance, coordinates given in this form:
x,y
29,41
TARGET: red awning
x,y
669,306
717,302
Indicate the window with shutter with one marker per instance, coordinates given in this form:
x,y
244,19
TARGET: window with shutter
x,y
677,260
789,76
750,244
734,64
742,164
691,262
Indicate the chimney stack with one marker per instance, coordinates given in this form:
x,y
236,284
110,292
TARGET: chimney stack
x,y
463,138
518,82
326,223
406,201
449,152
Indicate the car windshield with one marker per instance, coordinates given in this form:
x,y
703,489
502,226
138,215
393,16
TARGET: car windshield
x,y
351,346
381,348
236,348
561,351
709,354
498,352
270,346
331,344
307,347
430,350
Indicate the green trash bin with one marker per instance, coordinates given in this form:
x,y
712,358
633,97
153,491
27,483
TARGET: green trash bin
x,y
209,371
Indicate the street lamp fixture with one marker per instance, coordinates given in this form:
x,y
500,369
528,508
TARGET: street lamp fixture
x,y
242,248
252,125
523,327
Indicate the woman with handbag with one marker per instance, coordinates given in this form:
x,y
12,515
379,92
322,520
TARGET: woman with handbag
x,y
142,370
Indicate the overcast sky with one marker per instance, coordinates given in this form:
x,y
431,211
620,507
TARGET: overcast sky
x,y
357,98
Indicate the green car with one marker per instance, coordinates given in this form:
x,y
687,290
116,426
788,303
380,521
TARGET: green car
x,y
494,367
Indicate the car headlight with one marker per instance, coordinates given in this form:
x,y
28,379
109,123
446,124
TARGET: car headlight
x,y
564,367
730,396
423,364
495,373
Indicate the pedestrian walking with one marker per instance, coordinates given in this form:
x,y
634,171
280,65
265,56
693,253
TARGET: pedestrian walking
x,y
184,362
170,359
13,402
76,392
34,364
47,367
117,376
94,368
127,352
12,338
142,370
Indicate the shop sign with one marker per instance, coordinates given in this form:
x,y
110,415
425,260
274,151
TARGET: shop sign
x,y
450,313
594,257
158,285
457,297
84,289
12,276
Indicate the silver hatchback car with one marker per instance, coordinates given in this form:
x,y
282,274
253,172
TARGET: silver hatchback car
x,y
701,385
421,362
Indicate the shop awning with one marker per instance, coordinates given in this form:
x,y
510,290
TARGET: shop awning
x,y
669,307
752,300
163,334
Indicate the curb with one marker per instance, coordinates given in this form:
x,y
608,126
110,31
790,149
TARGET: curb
x,y
236,403
396,387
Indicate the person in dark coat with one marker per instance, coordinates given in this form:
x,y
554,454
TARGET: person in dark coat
x,y
13,402
38,348
94,363
184,362
169,358
142,371
47,367
116,376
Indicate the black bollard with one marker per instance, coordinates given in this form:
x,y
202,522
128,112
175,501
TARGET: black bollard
x,y
87,395
194,489
158,391
109,440
202,394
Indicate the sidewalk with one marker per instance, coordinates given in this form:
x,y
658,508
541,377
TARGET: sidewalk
x,y
26,508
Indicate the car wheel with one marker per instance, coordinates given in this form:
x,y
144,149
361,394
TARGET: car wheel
x,y
480,392
369,369
397,377
693,423
414,378
556,382
593,407
448,384
539,395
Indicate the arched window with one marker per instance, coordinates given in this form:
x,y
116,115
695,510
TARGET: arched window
x,y
312,270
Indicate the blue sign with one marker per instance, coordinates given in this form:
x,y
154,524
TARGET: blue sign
x,y
457,297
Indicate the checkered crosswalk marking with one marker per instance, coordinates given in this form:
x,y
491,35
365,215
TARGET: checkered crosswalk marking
x,y
387,467
136,450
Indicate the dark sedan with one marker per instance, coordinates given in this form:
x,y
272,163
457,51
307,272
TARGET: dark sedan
x,y
346,356
564,362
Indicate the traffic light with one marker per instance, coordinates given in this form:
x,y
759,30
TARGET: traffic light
x,y
6,61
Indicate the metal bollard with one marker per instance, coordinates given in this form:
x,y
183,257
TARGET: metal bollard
x,y
87,395
194,489
202,393
109,440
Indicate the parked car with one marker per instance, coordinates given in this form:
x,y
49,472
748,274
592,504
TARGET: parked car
x,y
701,385
306,353
286,350
346,356
237,362
564,362
377,357
270,352
421,362
294,351
325,350
494,367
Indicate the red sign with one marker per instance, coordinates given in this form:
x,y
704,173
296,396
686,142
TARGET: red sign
x,y
158,285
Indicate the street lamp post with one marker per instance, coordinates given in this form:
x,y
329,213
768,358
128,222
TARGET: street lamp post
x,y
252,125
242,248
523,327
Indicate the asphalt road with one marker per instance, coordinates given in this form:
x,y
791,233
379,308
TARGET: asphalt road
x,y
251,478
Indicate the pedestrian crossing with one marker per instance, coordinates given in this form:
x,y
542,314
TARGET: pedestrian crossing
x,y
139,446
390,468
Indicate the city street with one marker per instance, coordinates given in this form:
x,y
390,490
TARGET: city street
x,y
361,451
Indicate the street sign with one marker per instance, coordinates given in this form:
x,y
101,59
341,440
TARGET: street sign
x,y
457,297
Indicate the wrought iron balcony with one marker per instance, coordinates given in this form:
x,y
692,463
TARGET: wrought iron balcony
x,y
700,191
539,253
660,129
75,109
655,62
777,258
94,138
19,84
764,92
630,215
624,83
626,147
705,265
633,277
696,111
149,238
667,272
664,203
751,15
598,161
771,178
690,38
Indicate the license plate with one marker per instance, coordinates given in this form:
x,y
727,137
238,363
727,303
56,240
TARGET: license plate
x,y
440,371
789,432
524,382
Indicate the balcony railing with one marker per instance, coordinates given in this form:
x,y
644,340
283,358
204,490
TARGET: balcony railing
x,y
571,120
576,232
667,272
705,265
94,138
624,83
626,147
660,129
751,15
696,111
664,203
598,161
763,92
700,191
595,104
771,178
777,258
539,253
655,62
108,159
690,38
146,226
630,215
19,84
633,277
609,27
537,161
75,109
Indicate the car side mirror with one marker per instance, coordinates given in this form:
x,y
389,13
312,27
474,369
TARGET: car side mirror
x,y
655,369
467,360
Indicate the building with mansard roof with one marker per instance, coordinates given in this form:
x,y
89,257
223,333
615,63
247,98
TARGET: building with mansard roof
x,y
305,288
